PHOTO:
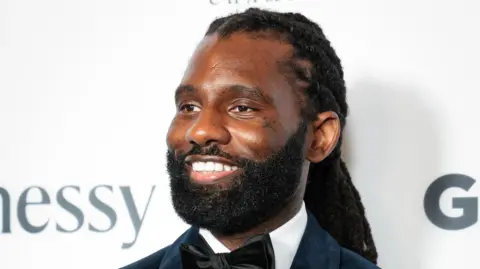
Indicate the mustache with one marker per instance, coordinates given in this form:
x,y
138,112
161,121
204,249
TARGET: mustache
x,y
213,150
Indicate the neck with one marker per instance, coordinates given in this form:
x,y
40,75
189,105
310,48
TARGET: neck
x,y
235,241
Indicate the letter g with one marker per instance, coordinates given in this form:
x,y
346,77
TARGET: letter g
x,y
469,205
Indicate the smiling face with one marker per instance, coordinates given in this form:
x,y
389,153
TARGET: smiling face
x,y
234,94
236,146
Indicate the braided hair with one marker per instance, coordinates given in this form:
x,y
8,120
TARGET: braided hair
x,y
330,194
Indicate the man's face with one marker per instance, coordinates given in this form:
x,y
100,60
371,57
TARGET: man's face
x,y
236,144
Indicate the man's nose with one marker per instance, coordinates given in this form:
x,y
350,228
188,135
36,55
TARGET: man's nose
x,y
208,128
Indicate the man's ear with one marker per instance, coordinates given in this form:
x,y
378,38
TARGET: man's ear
x,y
326,133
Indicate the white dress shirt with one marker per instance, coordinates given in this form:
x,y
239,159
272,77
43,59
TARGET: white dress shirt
x,y
285,239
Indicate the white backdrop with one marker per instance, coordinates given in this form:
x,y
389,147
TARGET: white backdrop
x,y
86,97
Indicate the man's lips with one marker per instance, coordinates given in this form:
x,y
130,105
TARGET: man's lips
x,y
210,169
208,158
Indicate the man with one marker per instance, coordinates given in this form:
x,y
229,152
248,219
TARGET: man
x,y
254,152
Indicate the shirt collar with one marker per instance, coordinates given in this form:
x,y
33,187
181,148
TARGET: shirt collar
x,y
285,239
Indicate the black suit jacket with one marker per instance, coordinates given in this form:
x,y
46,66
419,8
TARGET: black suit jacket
x,y
317,250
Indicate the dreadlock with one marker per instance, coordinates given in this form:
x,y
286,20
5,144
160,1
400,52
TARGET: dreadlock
x,y
330,194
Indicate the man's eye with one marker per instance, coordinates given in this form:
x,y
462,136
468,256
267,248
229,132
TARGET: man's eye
x,y
189,108
243,109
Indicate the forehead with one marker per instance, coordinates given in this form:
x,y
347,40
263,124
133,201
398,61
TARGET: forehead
x,y
239,59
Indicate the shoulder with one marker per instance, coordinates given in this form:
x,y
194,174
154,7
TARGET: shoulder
x,y
351,260
151,261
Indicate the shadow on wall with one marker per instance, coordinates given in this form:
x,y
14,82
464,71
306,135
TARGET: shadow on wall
x,y
392,150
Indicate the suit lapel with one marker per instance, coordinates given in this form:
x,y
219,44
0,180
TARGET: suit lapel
x,y
172,258
317,250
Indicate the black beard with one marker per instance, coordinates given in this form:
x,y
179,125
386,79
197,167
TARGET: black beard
x,y
257,194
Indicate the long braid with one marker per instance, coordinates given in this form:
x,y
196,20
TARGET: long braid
x,y
330,194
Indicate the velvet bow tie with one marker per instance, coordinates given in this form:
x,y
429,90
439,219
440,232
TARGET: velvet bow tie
x,y
256,253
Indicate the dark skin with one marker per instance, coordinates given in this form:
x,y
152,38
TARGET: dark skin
x,y
234,94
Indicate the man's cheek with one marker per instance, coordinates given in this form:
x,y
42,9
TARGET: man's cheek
x,y
176,137
254,146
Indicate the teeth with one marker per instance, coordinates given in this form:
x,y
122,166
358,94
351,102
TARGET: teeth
x,y
211,167
198,166
218,167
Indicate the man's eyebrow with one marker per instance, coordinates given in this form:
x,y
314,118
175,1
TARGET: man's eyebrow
x,y
184,89
248,90
236,88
